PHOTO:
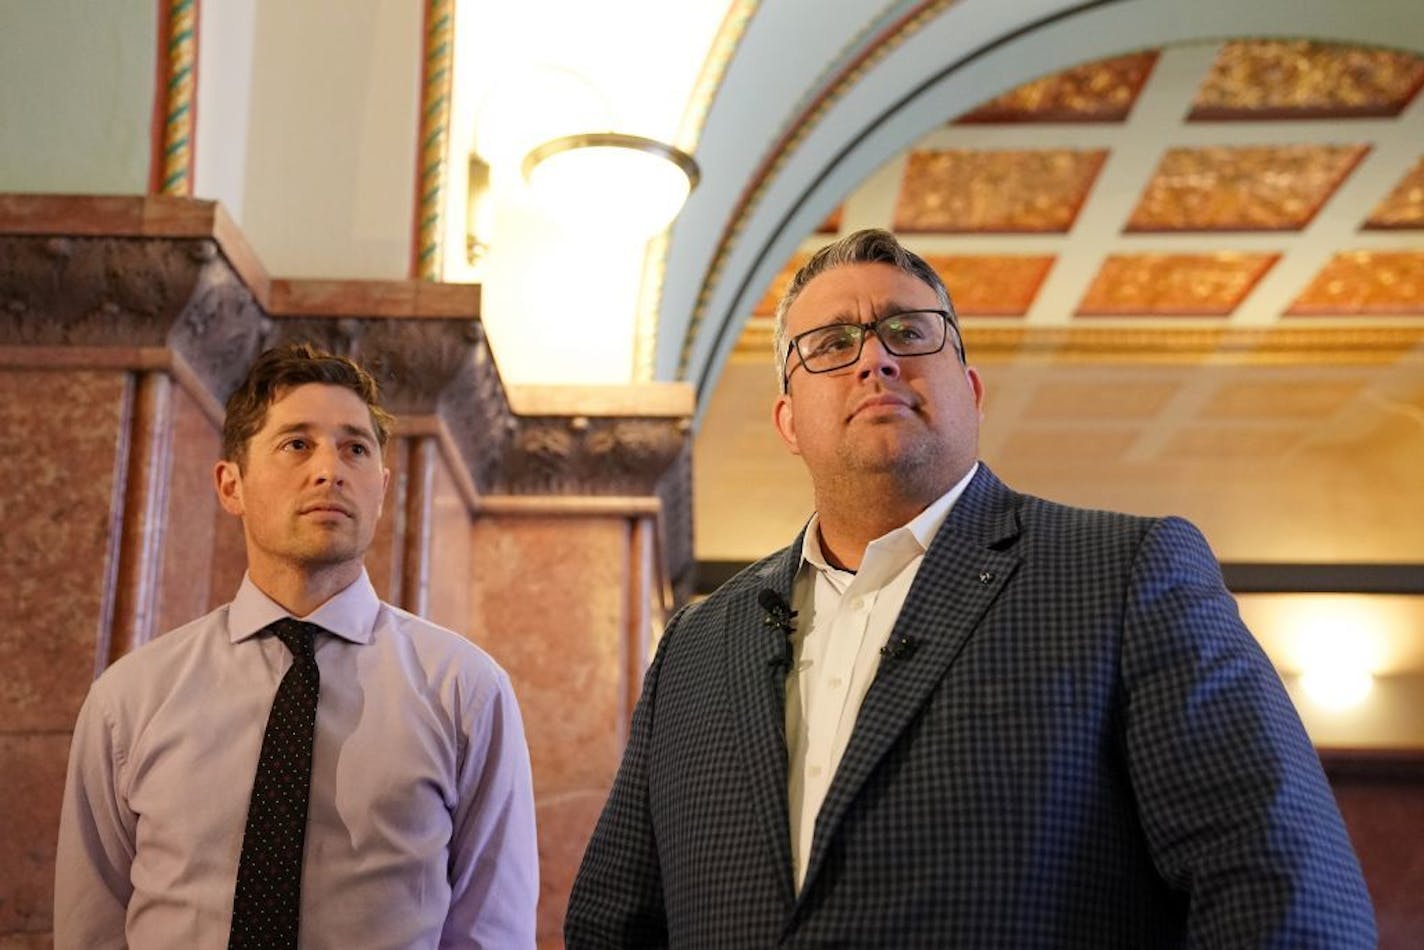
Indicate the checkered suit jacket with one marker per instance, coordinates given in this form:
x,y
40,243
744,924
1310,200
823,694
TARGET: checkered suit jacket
x,y
1086,749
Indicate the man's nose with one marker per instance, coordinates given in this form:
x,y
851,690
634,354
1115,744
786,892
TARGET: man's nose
x,y
327,465
875,360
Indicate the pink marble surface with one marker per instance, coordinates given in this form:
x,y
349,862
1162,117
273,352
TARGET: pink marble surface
x,y
549,603
62,430
565,825
451,536
549,600
183,588
31,784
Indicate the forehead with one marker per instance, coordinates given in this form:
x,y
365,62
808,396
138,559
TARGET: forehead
x,y
317,404
858,292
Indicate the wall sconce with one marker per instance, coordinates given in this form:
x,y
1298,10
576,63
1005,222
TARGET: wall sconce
x,y
610,181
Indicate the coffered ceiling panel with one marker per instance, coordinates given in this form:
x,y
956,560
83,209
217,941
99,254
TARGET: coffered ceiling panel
x,y
957,191
1260,188
1228,315
1173,284
1103,91
991,285
1366,282
1261,79
1404,206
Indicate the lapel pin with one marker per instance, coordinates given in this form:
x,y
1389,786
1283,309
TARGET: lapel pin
x,y
985,577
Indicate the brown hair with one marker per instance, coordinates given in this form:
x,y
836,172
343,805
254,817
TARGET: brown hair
x,y
278,370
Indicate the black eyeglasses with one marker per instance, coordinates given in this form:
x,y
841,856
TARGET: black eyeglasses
x,y
838,345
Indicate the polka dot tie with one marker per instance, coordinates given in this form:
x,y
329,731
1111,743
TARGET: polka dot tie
x,y
267,901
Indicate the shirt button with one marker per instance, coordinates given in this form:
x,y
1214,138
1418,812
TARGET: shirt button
x,y
858,604
836,682
815,771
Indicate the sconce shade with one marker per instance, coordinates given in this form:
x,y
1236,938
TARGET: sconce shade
x,y
610,181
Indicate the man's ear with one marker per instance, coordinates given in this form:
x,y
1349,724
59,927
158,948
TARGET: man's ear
x,y
385,487
976,383
227,479
784,419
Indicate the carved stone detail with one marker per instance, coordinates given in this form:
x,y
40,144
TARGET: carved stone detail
x,y
79,291
182,294
562,455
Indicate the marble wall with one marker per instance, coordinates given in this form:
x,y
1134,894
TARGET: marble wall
x,y
65,434
534,536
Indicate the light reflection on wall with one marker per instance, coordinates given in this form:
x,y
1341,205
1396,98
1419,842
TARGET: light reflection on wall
x,y
1346,660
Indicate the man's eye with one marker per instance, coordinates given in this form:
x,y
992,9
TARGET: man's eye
x,y
359,448
904,331
298,445
837,342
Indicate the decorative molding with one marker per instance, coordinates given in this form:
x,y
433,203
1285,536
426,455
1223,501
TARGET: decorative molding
x,y
438,69
989,343
146,301
176,101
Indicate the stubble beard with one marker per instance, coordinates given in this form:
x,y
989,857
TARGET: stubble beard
x,y
318,549
914,466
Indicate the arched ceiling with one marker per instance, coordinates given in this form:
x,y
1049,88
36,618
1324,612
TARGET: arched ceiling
x,y
1187,240
1201,294
814,101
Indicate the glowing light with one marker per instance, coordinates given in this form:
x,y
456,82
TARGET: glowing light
x,y
1337,688
610,181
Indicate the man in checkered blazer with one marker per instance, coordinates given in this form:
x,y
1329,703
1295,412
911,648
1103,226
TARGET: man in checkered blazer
x,y
952,715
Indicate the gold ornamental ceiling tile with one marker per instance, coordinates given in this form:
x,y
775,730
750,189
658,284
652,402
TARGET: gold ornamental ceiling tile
x,y
991,285
1173,284
1027,191
1296,79
1255,188
1355,283
1102,91
1404,208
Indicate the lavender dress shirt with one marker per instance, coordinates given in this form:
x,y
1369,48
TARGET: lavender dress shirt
x,y
421,824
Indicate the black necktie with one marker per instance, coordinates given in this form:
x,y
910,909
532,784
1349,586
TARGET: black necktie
x,y
267,901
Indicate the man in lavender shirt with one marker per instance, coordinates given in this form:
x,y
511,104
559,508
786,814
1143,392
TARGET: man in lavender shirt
x,y
420,824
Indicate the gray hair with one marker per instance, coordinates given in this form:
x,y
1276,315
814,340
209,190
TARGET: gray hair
x,y
868,246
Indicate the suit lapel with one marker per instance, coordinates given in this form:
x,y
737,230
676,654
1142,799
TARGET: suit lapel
x,y
967,565
756,686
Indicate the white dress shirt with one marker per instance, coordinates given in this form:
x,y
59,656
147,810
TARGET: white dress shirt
x,y
420,831
843,619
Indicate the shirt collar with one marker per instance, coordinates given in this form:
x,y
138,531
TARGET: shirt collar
x,y
922,528
349,614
